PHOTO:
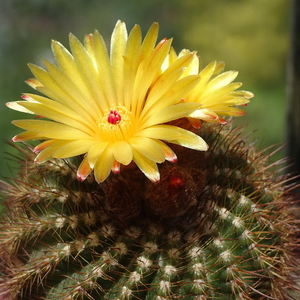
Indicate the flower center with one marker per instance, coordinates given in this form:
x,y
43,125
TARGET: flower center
x,y
116,125
113,117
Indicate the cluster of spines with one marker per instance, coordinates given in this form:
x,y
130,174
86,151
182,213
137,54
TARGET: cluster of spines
x,y
62,243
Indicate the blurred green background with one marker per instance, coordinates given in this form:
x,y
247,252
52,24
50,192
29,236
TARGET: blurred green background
x,y
251,36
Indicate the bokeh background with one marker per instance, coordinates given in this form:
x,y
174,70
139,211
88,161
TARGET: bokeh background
x,y
251,36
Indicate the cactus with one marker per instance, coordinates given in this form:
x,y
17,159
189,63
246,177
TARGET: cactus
x,y
217,226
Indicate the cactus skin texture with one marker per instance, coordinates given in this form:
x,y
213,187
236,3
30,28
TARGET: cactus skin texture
x,y
217,226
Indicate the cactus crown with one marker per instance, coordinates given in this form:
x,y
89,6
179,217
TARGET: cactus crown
x,y
216,226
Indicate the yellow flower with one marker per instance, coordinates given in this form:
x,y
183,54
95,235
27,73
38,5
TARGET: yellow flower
x,y
216,92
113,108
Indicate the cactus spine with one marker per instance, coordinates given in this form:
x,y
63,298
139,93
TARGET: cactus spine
x,y
217,226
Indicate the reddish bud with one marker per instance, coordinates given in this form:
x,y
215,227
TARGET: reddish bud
x,y
176,184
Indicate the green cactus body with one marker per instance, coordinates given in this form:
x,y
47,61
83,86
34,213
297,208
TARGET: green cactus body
x,y
217,226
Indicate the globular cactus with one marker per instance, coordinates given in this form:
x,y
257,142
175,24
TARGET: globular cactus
x,y
217,226
214,225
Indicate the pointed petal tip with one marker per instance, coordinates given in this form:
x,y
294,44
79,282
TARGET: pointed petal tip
x,y
25,97
80,177
156,179
39,147
116,167
206,148
172,159
153,176
203,146
84,170
222,121
171,156
196,123
100,180
37,161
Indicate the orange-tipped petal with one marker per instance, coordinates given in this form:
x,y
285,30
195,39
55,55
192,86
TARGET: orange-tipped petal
x,y
84,170
147,166
204,114
34,83
43,145
25,136
169,154
196,123
116,167
47,153
222,121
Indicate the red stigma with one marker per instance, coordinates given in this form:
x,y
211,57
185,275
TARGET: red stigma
x,y
113,117
176,183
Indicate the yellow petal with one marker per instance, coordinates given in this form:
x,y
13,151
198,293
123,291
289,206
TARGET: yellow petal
x,y
44,145
95,152
162,85
104,165
219,68
57,112
147,166
149,41
204,114
131,63
122,152
217,95
169,154
148,148
89,74
63,90
17,105
234,111
193,68
53,130
190,140
174,95
147,72
34,83
25,136
74,148
104,67
117,52
245,94
222,80
206,74
160,132
176,135
166,80
237,101
68,92
49,150
171,113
